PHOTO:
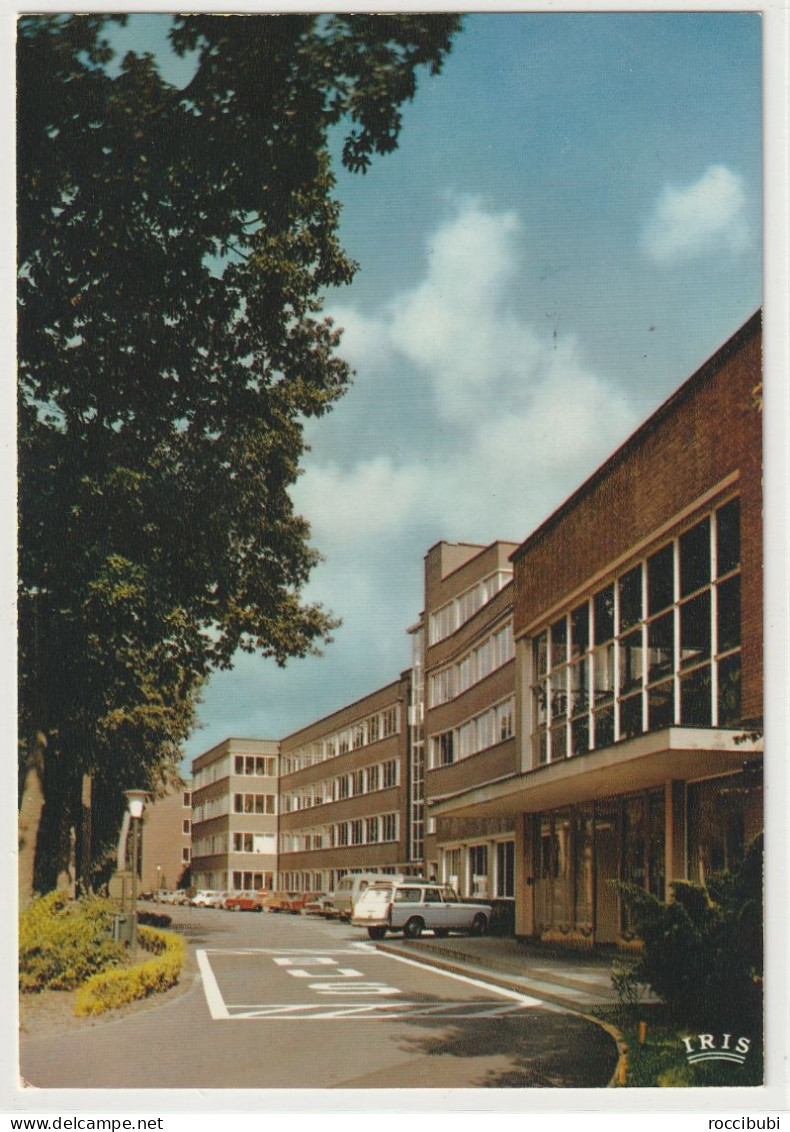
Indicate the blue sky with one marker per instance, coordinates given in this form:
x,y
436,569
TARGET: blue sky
x,y
570,227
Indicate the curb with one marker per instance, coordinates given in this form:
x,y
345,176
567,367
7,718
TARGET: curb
x,y
486,975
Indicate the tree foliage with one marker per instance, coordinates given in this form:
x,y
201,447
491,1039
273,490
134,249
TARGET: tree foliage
x,y
174,246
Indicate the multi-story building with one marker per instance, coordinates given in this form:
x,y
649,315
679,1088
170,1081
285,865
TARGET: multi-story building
x,y
468,714
166,844
234,815
638,678
345,793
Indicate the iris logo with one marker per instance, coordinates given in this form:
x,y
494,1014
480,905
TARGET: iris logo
x,y
712,1047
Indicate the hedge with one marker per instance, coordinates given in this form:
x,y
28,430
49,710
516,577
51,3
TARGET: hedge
x,y
113,989
63,942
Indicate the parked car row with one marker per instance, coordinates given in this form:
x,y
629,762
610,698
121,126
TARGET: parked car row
x,y
381,904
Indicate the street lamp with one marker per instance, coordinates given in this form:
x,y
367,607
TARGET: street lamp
x,y
135,800
158,883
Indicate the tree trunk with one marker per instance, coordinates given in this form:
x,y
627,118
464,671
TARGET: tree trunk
x,y
31,808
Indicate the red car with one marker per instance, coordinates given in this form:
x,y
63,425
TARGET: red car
x,y
244,902
297,901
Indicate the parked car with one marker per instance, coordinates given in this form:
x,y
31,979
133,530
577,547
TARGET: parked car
x,y
316,904
279,901
208,898
350,888
414,906
297,902
180,896
243,902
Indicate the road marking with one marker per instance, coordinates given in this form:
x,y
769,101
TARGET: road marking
x,y
373,1011
214,999
523,998
220,1011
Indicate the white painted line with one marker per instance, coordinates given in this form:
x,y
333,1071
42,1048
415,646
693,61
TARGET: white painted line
x,y
374,1011
214,999
523,998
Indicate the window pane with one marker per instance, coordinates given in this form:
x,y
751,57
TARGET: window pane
x,y
559,694
580,736
730,691
541,747
630,598
603,615
580,630
604,727
603,673
695,629
539,705
559,642
659,580
729,614
728,537
695,558
695,706
540,655
559,743
631,662
660,643
660,707
579,694
631,717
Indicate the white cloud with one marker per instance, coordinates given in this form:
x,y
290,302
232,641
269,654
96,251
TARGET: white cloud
x,y
371,497
706,216
516,419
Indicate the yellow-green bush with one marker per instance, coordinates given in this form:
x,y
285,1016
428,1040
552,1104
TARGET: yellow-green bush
x,y
112,989
63,942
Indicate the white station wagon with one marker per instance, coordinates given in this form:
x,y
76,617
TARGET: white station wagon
x,y
414,906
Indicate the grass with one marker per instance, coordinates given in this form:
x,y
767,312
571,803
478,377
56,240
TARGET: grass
x,y
660,1062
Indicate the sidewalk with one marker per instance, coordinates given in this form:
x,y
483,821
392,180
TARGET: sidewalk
x,y
577,981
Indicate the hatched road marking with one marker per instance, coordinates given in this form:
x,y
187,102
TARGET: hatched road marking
x,y
320,964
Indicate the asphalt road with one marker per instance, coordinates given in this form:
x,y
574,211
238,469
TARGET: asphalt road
x,y
280,1001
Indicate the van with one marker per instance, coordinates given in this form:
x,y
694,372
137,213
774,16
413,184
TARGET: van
x,y
350,888
411,906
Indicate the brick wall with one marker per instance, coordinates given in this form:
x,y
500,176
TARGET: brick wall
x,y
709,430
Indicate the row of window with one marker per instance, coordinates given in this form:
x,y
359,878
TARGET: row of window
x,y
481,871
259,765
451,616
492,653
255,803
366,780
657,647
254,842
485,730
381,725
255,764
372,830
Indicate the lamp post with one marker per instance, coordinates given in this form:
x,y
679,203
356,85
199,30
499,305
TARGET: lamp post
x,y
158,883
135,800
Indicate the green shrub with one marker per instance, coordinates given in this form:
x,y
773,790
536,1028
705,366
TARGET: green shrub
x,y
154,919
112,989
63,942
703,951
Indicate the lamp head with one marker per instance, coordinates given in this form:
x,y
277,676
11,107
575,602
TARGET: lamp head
x,y
136,801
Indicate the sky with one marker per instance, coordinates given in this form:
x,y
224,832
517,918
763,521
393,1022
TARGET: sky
x,y
570,227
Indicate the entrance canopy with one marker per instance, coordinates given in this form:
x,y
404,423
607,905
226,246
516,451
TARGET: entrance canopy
x,y
675,754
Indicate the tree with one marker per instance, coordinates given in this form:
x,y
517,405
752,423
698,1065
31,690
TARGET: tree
x,y
174,247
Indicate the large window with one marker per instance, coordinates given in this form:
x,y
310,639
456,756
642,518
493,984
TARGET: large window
x,y
659,646
455,613
497,649
493,726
